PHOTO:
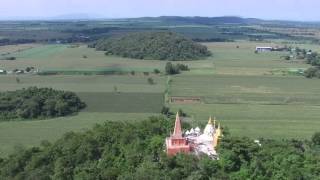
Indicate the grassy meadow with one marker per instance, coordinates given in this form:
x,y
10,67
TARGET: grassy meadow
x,y
252,94
134,99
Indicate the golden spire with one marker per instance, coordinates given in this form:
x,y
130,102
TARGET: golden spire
x,y
219,133
214,122
210,120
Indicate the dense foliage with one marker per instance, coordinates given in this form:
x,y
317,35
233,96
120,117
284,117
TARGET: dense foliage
x,y
118,150
153,45
38,103
175,68
314,60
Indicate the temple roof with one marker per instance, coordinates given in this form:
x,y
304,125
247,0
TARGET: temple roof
x,y
177,132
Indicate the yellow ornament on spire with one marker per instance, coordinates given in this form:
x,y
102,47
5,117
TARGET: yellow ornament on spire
x,y
210,120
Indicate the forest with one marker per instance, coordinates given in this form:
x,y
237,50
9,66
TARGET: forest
x,y
153,45
36,102
123,150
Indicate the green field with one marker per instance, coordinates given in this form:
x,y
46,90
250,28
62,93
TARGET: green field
x,y
135,99
269,107
123,102
252,94
86,83
70,58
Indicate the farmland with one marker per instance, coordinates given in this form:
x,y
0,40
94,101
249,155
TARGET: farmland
x,y
270,107
252,94
135,99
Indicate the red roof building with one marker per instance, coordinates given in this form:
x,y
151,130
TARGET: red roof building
x,y
176,143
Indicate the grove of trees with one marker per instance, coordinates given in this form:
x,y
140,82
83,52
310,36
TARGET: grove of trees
x,y
153,45
122,150
36,102
314,60
172,69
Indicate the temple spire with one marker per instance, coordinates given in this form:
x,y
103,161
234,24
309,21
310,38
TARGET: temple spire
x,y
210,120
219,133
177,127
214,122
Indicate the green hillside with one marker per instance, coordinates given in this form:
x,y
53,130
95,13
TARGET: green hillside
x,y
123,150
153,45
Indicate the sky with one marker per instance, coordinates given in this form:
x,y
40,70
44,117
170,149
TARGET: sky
x,y
302,10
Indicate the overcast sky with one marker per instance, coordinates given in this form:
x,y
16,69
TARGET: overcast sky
x,y
266,9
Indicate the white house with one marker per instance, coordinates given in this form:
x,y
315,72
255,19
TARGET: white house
x,y
264,49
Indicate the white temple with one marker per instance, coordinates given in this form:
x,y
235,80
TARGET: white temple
x,y
206,142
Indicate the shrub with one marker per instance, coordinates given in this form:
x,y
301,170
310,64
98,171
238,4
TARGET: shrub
x,y
9,58
182,67
151,81
156,71
316,138
311,72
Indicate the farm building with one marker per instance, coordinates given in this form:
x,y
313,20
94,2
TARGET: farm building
x,y
185,100
264,49
193,140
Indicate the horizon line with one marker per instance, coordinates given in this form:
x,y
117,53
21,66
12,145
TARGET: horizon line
x,y
61,18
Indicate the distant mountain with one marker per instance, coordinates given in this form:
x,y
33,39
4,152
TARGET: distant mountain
x,y
197,20
176,20
204,20
76,16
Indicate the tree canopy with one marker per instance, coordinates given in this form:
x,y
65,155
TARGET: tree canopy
x,y
118,150
153,45
36,102
314,60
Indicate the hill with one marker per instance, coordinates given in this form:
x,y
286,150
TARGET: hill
x,y
153,45
118,150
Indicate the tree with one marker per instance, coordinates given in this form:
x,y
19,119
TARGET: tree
x,y
156,71
316,138
182,114
171,69
18,80
151,81
165,110
115,89
287,58
28,69
182,67
310,72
